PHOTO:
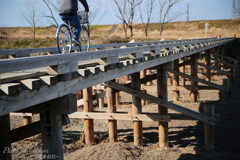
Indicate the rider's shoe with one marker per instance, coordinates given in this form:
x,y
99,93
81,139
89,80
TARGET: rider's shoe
x,y
76,42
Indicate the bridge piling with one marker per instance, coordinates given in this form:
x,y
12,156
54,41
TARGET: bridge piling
x,y
194,72
137,109
5,138
176,80
88,123
163,94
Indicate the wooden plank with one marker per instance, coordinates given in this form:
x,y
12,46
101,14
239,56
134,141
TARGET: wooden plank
x,y
5,138
184,88
176,80
63,59
201,81
25,131
10,89
30,84
232,59
216,69
223,62
208,63
194,72
119,116
164,103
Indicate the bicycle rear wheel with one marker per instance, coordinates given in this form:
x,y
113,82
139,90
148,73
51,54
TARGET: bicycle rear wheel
x,y
64,39
84,39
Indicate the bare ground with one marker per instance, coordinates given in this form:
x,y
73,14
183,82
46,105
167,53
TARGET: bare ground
x,y
186,137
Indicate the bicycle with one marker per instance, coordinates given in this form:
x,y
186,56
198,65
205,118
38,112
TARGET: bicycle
x,y
64,34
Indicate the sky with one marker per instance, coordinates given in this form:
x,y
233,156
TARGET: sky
x,y
199,10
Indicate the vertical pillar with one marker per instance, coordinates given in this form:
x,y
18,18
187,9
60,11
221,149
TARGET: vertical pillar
x,y
112,124
223,53
183,78
225,95
5,138
208,128
176,80
208,63
148,71
101,101
162,93
142,75
137,109
194,72
88,123
216,55
51,129
117,95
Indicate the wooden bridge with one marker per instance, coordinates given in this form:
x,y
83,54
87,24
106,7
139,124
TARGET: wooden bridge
x,y
45,85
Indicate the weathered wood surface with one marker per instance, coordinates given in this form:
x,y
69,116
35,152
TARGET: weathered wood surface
x,y
31,98
223,88
164,103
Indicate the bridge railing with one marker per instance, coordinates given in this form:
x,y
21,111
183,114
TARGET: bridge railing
x,y
17,53
70,61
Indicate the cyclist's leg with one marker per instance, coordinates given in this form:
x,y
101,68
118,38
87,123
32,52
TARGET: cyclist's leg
x,y
65,17
75,22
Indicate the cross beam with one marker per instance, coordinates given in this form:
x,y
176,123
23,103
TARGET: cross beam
x,y
162,102
222,88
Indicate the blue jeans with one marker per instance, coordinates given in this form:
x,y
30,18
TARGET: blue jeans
x,y
75,22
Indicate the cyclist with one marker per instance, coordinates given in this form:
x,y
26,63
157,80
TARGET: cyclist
x,y
68,10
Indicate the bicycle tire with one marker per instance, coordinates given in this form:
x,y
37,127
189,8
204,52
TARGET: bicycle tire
x,y
84,39
64,39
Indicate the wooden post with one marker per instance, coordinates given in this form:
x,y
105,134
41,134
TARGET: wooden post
x,y
101,101
208,63
137,109
208,128
142,75
88,123
27,120
5,138
51,129
183,78
176,80
225,95
223,53
216,54
162,93
148,71
170,80
194,72
112,124
117,95
238,68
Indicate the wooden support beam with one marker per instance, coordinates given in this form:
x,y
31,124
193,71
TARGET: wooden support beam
x,y
136,108
225,94
25,131
143,75
88,123
222,88
225,63
5,138
63,105
163,94
216,69
194,72
208,63
112,124
184,62
117,95
164,103
176,80
101,100
51,129
183,71
208,128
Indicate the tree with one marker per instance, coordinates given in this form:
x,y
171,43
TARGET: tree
x,y
150,4
31,14
126,12
165,7
52,6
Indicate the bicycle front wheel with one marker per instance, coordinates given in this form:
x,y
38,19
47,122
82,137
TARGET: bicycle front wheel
x,y
84,39
64,39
